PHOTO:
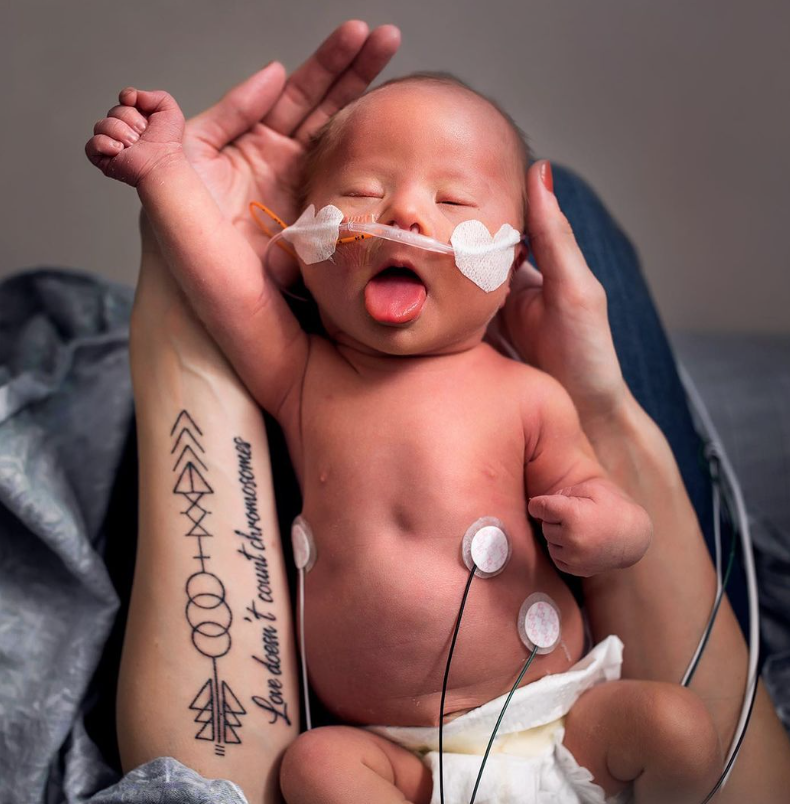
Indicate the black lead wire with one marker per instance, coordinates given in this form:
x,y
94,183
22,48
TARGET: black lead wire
x,y
737,748
446,676
499,721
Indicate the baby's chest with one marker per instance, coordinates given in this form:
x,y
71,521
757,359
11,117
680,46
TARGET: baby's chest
x,y
413,439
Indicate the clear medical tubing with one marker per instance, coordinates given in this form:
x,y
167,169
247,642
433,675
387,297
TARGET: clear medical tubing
x,y
396,234
358,231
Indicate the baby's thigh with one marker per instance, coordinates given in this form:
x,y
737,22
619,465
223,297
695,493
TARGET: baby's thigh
x,y
619,729
340,762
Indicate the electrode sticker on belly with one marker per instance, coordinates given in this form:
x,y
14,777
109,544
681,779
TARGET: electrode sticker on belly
x,y
303,544
485,545
539,623
481,257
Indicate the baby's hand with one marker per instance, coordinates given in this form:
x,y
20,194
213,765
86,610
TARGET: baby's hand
x,y
592,527
144,131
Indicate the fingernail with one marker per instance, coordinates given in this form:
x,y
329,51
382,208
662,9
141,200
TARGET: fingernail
x,y
546,176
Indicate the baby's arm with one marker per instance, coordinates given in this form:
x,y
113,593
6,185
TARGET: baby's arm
x,y
591,524
219,272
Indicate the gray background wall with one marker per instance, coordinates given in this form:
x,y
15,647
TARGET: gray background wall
x,y
675,110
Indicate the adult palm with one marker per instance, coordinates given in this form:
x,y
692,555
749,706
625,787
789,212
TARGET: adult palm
x,y
250,144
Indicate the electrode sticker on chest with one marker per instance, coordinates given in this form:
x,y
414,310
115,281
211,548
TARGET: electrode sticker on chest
x,y
481,257
539,623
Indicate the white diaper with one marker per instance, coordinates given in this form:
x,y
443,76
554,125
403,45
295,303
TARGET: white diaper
x,y
528,762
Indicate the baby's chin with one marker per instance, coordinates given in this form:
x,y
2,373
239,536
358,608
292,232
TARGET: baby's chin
x,y
406,340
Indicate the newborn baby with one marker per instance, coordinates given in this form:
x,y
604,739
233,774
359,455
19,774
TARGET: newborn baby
x,y
405,428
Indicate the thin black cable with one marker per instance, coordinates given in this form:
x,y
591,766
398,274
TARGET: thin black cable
x,y
737,747
720,504
446,676
501,715
717,603
725,510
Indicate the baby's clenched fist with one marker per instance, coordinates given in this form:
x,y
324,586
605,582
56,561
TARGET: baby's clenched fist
x,y
139,135
592,527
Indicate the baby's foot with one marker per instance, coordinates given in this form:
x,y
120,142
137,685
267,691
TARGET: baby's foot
x,y
141,134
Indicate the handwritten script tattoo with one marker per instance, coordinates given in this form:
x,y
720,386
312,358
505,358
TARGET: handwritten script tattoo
x,y
207,611
253,548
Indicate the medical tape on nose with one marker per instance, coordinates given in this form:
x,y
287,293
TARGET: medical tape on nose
x,y
481,257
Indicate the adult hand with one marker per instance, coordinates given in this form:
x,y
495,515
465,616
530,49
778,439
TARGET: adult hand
x,y
556,317
249,145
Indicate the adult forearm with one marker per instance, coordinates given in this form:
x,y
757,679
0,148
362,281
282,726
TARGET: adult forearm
x,y
677,569
208,670
637,456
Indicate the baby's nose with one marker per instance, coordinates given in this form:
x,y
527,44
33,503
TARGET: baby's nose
x,y
406,216
415,227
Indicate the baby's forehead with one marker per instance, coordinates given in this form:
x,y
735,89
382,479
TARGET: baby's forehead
x,y
454,101
453,120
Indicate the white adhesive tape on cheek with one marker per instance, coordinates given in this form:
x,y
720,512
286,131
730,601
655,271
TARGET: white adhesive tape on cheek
x,y
315,236
484,259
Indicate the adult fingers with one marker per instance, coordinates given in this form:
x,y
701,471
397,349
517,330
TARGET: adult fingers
x,y
567,278
378,49
526,277
239,109
308,85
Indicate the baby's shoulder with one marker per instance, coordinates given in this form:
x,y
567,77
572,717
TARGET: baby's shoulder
x,y
529,379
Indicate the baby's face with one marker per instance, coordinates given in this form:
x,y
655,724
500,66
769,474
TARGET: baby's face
x,y
425,158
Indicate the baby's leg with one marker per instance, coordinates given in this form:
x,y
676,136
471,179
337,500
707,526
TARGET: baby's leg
x,y
344,764
656,734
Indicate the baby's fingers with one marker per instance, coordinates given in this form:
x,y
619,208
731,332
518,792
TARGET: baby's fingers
x,y
148,102
100,146
130,115
553,508
117,130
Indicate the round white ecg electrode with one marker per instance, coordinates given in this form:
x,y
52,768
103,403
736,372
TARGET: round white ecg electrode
x,y
303,544
539,623
486,545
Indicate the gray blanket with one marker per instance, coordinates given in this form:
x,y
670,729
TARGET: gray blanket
x,y
65,416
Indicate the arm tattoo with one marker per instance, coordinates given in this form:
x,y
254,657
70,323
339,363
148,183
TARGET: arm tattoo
x,y
253,549
207,612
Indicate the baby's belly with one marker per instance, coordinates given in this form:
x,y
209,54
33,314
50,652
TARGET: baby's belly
x,y
381,603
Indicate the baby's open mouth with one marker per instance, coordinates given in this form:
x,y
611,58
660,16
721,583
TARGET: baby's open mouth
x,y
395,295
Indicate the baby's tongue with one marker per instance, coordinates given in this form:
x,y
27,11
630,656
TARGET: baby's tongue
x,y
394,297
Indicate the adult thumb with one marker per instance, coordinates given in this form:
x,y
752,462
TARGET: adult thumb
x,y
551,238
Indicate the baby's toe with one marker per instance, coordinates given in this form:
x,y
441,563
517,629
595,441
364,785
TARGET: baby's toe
x,y
116,129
